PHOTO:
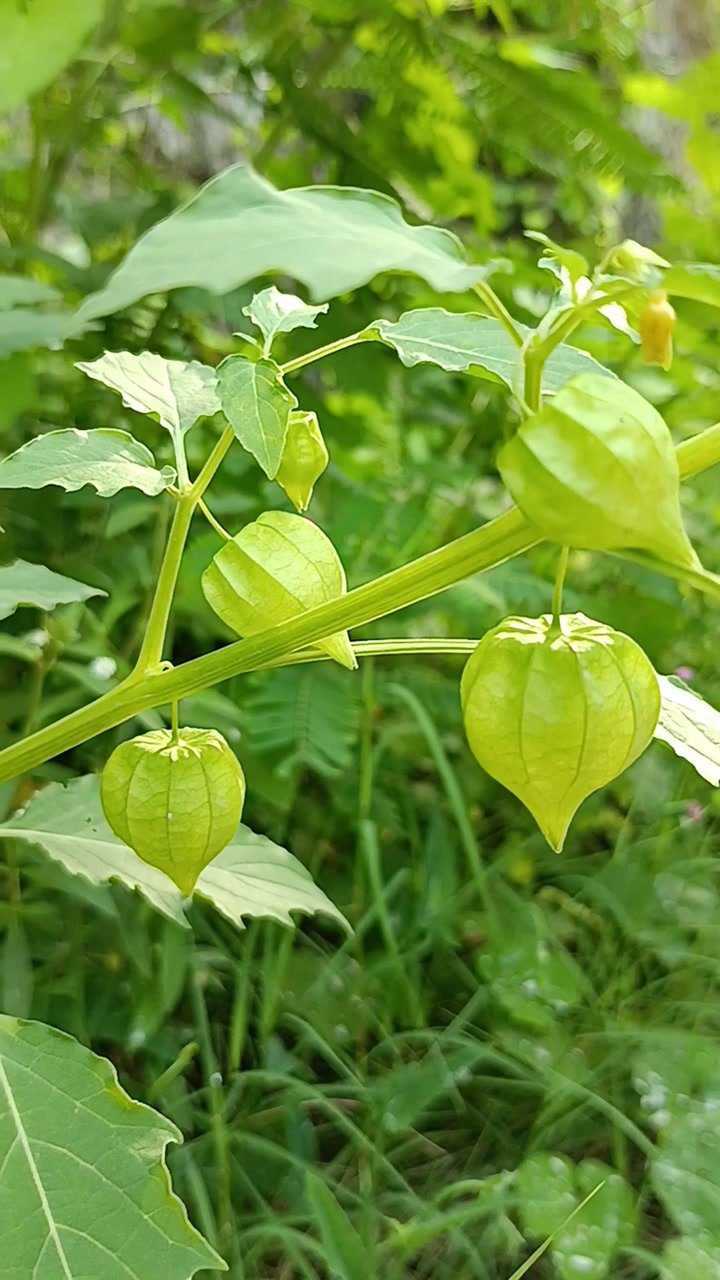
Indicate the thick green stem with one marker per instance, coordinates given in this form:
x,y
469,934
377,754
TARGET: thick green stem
x,y
152,646
506,536
557,597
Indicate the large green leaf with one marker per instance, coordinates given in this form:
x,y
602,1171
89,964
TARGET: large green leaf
x,y
38,39
106,459
252,877
460,341
85,1188
22,583
550,1188
24,291
275,568
238,227
257,405
23,327
691,727
178,391
697,280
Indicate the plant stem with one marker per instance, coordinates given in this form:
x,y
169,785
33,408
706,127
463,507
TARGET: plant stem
x,y
320,352
557,597
215,523
175,720
498,309
152,646
498,540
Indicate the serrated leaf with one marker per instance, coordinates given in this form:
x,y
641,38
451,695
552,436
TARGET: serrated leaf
x,y
22,583
69,825
238,226
257,405
461,341
691,727
274,312
252,877
85,1188
178,391
596,468
550,1188
37,41
274,569
107,460
255,877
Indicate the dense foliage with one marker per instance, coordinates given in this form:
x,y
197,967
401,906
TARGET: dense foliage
x,y
435,1092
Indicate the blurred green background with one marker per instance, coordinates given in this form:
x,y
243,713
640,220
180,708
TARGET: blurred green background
x,y
506,1027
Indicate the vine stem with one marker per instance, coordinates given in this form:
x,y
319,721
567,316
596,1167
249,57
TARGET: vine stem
x,y
493,543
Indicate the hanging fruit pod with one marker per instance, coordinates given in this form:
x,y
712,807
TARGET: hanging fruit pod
x,y
555,709
175,801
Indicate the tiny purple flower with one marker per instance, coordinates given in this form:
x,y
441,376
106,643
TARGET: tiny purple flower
x,y
685,673
694,811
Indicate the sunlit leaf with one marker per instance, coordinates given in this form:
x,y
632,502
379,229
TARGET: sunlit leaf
x,y
691,727
105,459
274,312
178,391
86,1191
239,227
460,341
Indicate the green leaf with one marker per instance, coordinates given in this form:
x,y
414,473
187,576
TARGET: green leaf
x,y
252,877
22,583
106,459
238,227
69,825
178,391
257,405
699,281
274,312
556,712
596,468
22,328
691,727
274,569
86,1191
255,877
38,39
685,1259
565,264
346,1254
550,1188
23,291
304,458
459,341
